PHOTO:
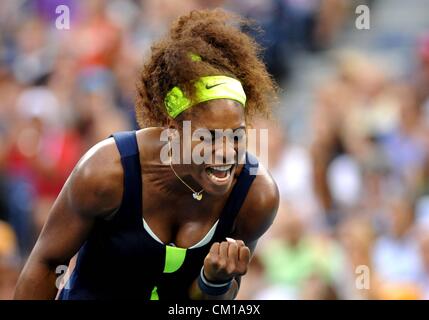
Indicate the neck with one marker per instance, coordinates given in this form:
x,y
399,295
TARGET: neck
x,y
164,179
160,175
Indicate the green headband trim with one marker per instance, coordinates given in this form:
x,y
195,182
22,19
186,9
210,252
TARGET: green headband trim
x,y
206,89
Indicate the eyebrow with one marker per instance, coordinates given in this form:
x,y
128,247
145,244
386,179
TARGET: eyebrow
x,y
213,131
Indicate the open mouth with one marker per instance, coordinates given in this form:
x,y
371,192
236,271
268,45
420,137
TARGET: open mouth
x,y
219,174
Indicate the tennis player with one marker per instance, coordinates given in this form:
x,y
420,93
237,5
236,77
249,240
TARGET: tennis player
x,y
144,227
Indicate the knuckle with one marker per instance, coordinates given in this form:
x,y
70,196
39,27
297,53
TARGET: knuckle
x,y
225,244
215,244
213,261
233,245
221,263
231,268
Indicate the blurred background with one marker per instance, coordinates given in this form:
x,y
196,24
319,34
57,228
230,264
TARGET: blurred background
x,y
349,148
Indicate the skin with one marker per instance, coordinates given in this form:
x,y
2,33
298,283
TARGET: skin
x,y
94,191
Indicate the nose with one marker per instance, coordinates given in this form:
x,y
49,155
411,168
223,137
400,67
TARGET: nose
x,y
224,151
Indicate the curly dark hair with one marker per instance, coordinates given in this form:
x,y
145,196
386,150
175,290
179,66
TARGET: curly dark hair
x,y
215,36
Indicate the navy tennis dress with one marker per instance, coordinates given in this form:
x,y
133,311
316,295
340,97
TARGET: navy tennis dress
x,y
121,260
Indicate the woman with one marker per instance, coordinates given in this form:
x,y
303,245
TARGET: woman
x,y
143,227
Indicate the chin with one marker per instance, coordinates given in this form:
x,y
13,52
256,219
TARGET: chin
x,y
217,180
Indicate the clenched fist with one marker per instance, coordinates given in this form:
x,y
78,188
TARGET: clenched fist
x,y
226,260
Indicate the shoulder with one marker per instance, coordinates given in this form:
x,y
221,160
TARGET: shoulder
x,y
260,207
96,184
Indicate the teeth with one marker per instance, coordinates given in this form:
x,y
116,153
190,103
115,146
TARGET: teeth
x,y
212,176
222,168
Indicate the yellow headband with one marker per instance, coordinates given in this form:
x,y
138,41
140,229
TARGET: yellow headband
x,y
206,89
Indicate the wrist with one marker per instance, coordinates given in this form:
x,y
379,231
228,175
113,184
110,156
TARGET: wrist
x,y
212,279
213,288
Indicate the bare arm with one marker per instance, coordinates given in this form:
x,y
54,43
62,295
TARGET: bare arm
x,y
93,191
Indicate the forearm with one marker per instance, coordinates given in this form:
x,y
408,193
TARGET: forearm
x,y
197,294
37,282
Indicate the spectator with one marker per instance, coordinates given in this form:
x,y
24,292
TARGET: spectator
x,y
397,261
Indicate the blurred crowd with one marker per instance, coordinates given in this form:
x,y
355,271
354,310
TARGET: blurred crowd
x,y
354,216
356,195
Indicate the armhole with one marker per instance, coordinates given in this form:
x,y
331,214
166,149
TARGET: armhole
x,y
126,143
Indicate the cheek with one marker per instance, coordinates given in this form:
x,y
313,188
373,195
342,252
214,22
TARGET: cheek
x,y
201,153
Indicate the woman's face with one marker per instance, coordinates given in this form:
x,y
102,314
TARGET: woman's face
x,y
212,135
